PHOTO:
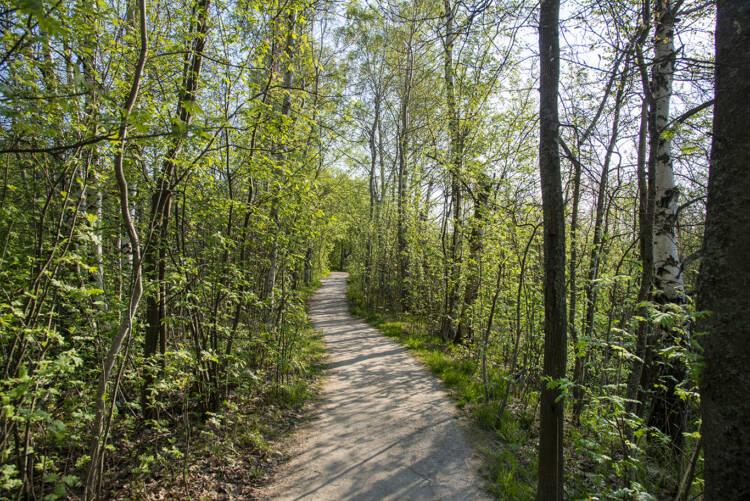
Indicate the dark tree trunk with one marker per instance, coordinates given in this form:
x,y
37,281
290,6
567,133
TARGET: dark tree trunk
x,y
646,197
725,274
645,227
308,265
551,478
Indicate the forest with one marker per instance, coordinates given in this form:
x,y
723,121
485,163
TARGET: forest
x,y
548,201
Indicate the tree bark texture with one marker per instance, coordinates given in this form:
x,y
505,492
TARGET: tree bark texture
x,y
668,273
552,406
725,274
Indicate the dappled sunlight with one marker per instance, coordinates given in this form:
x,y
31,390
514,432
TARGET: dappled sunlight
x,y
385,429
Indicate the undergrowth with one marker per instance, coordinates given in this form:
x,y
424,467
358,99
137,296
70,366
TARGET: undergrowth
x,y
226,454
595,466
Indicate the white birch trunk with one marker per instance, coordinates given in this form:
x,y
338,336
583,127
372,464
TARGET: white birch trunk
x,y
668,273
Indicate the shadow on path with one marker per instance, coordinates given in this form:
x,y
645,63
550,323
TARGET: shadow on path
x,y
385,429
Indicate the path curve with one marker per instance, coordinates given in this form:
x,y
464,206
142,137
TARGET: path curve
x,y
386,429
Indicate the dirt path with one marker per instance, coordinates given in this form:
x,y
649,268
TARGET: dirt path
x,y
385,429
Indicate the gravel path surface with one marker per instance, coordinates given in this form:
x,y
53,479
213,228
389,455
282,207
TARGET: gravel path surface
x,y
385,429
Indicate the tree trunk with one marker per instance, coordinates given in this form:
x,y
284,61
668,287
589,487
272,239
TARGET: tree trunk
x,y
476,244
552,406
126,323
308,265
645,227
155,261
403,177
572,265
269,283
725,274
449,324
668,273
667,411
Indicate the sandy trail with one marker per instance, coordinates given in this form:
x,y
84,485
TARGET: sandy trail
x,y
385,428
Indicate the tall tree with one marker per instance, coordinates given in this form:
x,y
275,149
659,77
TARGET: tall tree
x,y
724,275
155,255
551,477
668,276
448,328
667,410
127,318
646,197
281,156
403,132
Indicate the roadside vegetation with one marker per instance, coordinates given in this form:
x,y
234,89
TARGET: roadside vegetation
x,y
228,453
505,407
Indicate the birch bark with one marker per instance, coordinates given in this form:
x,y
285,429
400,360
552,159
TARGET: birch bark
x,y
668,273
